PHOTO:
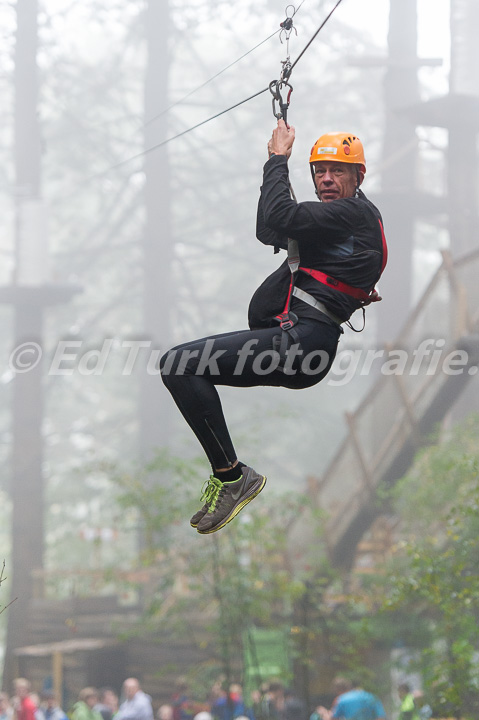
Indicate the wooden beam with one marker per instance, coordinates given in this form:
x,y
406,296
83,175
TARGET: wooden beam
x,y
357,447
461,323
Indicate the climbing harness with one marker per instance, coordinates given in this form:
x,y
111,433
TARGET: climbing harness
x,y
287,319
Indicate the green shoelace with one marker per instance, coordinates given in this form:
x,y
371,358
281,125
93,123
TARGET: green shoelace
x,y
211,492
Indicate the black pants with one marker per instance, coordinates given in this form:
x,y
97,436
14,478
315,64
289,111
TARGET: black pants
x,y
246,358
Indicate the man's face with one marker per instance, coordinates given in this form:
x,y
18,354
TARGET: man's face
x,y
130,688
334,180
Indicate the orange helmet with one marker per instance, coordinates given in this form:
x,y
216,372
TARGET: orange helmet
x,y
339,147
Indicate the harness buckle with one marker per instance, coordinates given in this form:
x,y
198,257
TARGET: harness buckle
x,y
287,320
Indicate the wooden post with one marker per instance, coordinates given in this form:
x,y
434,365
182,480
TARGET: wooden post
x,y
357,446
460,320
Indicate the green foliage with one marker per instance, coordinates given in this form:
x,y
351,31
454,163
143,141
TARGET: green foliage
x,y
244,576
159,492
434,576
213,589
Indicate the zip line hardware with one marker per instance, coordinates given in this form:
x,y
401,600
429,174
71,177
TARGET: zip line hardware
x,y
276,92
280,106
275,87
287,27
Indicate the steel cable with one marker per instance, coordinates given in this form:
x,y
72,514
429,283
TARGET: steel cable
x,y
216,115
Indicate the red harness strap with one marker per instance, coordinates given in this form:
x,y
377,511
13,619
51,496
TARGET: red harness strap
x,y
283,318
336,284
321,277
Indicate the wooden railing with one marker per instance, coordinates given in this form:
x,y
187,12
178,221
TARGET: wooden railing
x,y
81,583
402,407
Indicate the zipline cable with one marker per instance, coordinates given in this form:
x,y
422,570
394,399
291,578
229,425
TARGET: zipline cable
x,y
185,97
174,137
213,117
220,72
315,35
223,112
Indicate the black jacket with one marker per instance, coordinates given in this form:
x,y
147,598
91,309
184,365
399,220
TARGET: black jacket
x,y
341,238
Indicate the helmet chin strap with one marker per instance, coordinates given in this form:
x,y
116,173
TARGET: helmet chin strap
x,y
358,182
311,167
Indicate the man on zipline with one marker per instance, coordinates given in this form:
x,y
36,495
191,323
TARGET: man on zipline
x,y
336,254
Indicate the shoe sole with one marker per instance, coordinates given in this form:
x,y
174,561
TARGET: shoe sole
x,y
235,510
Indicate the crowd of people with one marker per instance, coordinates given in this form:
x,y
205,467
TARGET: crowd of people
x,y
272,701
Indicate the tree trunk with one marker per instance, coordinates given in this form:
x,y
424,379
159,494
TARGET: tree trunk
x,y
463,129
157,241
27,479
398,178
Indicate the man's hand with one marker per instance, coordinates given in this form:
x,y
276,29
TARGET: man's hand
x,y
374,297
282,140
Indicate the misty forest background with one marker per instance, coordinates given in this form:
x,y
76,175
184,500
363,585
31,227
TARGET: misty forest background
x,y
160,246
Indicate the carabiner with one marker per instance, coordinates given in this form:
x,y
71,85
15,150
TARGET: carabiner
x,y
275,87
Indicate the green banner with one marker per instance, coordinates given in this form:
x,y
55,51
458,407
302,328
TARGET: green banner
x,y
266,656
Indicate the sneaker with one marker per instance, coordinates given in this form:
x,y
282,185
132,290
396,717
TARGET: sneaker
x,y
229,499
213,486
